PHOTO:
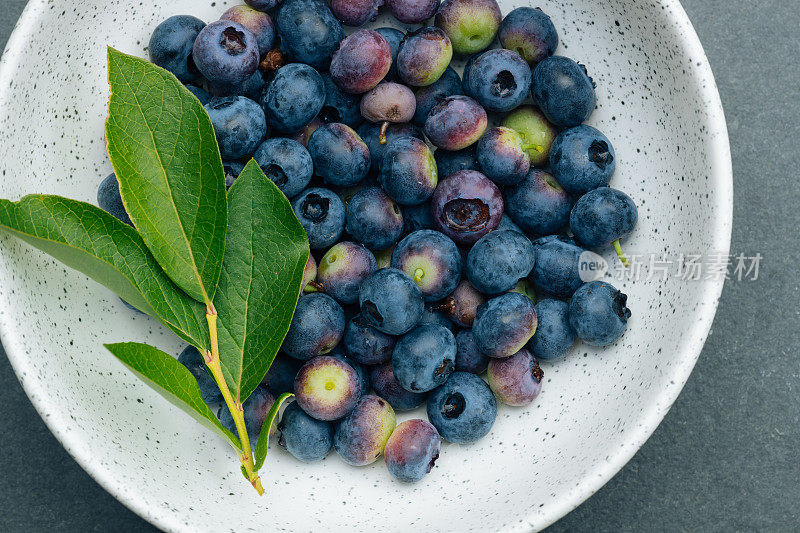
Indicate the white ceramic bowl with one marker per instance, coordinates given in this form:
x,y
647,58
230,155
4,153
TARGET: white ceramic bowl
x,y
657,102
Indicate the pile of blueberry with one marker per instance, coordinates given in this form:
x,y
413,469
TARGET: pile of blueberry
x,y
424,263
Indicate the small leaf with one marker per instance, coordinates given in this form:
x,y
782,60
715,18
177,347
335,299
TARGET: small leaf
x,y
164,152
262,446
88,239
265,256
172,380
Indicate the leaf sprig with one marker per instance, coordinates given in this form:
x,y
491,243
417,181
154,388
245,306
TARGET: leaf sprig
x,y
222,271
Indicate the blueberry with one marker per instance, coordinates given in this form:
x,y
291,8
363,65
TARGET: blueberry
x,y
361,436
366,344
515,380
294,97
387,387
556,270
394,37
110,200
388,103
502,156
536,131
438,318
327,388
282,372
582,159
412,11
355,12
462,305
361,62
539,204
373,219
239,124
339,106
259,23
449,162
262,5
371,134
471,24
256,408
232,169
530,33
309,32
321,213
199,93
563,91
171,46
408,171
432,260
499,260
469,358
603,216
226,53
361,371
598,313
499,80
427,97
466,206
343,268
287,163
340,156
424,56
307,439
424,358
456,123
464,409
390,301
316,329
554,336
412,450
417,217
507,224
191,358
504,324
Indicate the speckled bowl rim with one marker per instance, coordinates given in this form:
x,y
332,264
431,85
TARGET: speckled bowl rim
x,y
721,172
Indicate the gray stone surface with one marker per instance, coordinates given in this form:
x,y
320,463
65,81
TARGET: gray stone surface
x,y
726,458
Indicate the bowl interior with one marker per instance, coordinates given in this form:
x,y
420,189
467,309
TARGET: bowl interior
x,y
658,105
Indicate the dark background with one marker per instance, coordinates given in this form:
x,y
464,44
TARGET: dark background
x,y
727,456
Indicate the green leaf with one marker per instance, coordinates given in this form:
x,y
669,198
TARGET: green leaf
x,y
266,253
88,239
164,152
262,446
171,380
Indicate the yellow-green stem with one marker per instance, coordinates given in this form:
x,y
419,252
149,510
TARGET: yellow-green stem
x,y
215,367
621,254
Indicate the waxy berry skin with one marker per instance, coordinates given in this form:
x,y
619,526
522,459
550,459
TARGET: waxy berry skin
x,y
309,440
598,313
412,450
464,409
226,53
466,206
515,380
504,325
390,301
171,46
361,436
327,388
